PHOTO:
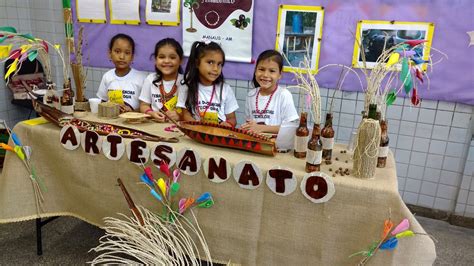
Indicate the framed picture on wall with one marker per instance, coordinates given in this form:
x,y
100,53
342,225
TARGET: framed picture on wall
x,y
374,36
299,31
162,12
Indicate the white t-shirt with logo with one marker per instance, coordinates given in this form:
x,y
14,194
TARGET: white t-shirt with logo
x,y
130,85
226,106
151,93
281,108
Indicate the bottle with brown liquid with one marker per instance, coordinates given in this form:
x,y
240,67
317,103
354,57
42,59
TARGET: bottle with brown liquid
x,y
383,148
301,138
327,138
315,151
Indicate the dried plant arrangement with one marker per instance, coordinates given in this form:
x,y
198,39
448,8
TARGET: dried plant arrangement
x,y
404,60
307,82
20,47
166,238
78,71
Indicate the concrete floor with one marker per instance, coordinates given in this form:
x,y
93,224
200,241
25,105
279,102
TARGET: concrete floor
x,y
67,241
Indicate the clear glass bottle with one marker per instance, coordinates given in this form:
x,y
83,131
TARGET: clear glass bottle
x,y
315,151
301,139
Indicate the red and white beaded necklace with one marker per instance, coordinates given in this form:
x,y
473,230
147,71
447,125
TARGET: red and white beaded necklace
x,y
268,102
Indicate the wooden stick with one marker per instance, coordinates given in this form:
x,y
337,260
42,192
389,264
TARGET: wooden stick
x,y
131,204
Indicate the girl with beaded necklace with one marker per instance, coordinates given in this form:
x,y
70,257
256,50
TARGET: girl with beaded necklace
x,y
206,97
159,92
268,105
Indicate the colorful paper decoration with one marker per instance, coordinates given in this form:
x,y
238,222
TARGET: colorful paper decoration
x,y
390,244
406,53
413,43
32,55
24,154
419,75
391,97
8,29
386,242
11,68
415,99
402,226
393,59
405,76
4,50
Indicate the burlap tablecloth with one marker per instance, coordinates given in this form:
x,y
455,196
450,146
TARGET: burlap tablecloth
x,y
251,227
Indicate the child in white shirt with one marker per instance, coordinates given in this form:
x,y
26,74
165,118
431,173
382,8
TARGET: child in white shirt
x,y
268,105
160,89
122,84
206,97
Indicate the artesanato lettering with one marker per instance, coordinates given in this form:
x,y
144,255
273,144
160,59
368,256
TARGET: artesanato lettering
x,y
316,187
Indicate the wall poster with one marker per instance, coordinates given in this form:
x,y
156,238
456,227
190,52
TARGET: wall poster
x,y
227,22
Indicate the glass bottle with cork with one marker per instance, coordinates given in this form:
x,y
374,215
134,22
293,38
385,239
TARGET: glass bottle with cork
x,y
315,151
327,138
301,138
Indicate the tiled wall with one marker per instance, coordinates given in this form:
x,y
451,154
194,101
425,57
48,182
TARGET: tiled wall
x,y
431,143
465,199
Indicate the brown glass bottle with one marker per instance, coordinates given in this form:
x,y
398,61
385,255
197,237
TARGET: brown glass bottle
x,y
68,94
373,111
383,148
327,137
301,138
315,151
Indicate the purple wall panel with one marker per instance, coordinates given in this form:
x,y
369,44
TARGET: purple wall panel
x,y
451,80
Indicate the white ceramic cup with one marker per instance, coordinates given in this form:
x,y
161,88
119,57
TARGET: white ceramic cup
x,y
94,104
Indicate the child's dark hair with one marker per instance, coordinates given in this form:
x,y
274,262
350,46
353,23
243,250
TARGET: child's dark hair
x,y
191,72
125,37
272,55
177,47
